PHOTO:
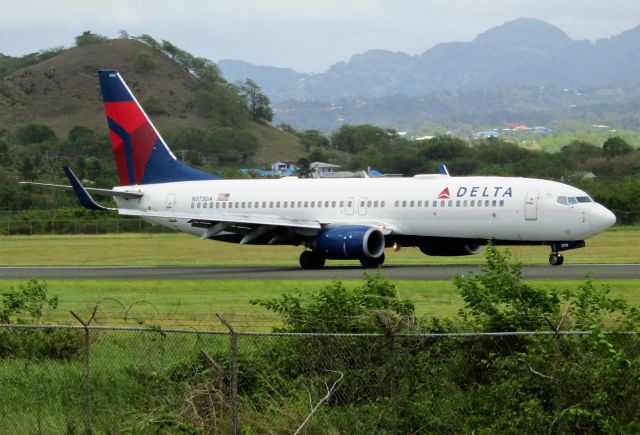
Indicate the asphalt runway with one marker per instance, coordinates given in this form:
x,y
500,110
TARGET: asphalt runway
x,y
431,272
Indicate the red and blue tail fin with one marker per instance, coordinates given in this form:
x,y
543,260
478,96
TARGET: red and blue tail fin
x,y
142,156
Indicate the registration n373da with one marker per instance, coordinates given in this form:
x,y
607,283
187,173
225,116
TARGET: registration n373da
x,y
354,218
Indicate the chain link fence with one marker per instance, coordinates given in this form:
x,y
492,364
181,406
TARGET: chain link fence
x,y
79,226
96,379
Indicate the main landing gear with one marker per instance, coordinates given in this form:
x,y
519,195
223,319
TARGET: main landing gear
x,y
311,260
316,260
556,259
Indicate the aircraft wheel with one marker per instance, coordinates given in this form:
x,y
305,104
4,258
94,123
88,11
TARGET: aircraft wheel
x,y
556,259
311,260
372,262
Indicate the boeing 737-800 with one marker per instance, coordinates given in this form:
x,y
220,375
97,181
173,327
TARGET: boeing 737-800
x,y
334,218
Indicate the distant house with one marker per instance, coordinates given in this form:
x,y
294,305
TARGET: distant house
x,y
486,134
321,169
283,168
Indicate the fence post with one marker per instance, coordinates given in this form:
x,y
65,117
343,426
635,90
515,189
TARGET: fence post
x,y
85,351
556,367
233,349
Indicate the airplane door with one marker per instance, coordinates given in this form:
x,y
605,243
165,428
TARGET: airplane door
x,y
362,206
171,201
348,207
531,205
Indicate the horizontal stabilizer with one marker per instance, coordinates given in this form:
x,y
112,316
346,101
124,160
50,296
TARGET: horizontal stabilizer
x,y
91,190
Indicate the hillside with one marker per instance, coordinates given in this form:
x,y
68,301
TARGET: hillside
x,y
63,92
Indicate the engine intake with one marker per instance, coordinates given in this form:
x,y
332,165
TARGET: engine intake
x,y
350,242
451,250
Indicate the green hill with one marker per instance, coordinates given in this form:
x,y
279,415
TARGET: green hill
x,y
62,92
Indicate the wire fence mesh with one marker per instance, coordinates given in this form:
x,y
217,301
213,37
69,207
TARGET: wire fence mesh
x,y
70,379
78,226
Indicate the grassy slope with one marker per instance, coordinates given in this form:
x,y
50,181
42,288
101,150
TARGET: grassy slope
x,y
63,92
619,245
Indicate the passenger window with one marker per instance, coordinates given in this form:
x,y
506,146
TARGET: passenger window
x,y
493,203
442,203
369,204
300,204
362,204
313,204
224,205
502,203
404,203
326,204
411,204
277,204
199,205
243,205
256,205
450,203
249,204
204,205
479,203
306,204
375,203
420,203
435,203
264,204
217,205
270,204
341,204
284,204
333,204
193,205
465,203
319,204
486,203
211,205
457,203
381,203
397,203
230,205
426,203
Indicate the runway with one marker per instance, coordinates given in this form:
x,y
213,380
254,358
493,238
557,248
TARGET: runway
x,y
428,273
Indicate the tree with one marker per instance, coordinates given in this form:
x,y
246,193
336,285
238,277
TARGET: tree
x,y
616,146
34,133
256,101
357,138
144,64
304,168
231,145
89,38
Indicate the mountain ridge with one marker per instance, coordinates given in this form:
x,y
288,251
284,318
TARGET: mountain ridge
x,y
522,52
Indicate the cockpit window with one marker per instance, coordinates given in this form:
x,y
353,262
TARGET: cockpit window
x,y
571,200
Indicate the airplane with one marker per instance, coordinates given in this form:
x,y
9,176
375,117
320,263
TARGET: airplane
x,y
337,219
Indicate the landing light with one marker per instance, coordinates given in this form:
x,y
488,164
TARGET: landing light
x,y
396,247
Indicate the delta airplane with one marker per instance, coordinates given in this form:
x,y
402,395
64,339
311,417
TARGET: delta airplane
x,y
338,219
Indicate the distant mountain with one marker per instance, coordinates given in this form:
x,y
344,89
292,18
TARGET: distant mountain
x,y
523,52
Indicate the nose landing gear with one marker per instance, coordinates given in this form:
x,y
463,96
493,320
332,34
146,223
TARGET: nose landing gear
x,y
556,259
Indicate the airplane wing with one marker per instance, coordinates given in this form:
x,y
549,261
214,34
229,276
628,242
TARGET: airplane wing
x,y
252,227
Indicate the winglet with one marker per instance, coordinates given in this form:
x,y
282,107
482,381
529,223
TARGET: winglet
x,y
83,196
442,169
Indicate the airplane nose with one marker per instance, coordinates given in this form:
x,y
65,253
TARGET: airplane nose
x,y
602,218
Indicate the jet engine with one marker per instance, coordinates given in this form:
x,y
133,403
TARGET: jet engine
x,y
350,242
451,250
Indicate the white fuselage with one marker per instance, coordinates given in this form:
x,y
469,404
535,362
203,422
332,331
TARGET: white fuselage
x,y
501,208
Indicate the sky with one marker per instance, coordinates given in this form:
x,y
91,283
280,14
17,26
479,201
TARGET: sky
x,y
306,35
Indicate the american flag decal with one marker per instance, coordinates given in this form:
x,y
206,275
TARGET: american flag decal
x,y
223,196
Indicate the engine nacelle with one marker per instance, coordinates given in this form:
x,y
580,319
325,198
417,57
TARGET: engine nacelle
x,y
350,242
451,250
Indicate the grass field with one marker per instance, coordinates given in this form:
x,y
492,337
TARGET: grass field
x,y
179,303
618,245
